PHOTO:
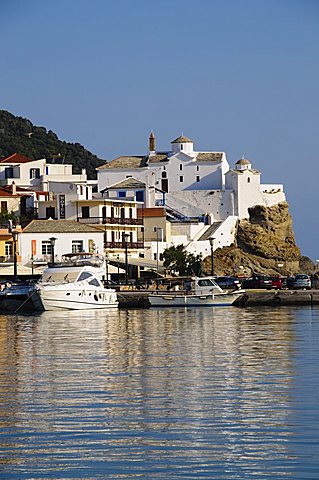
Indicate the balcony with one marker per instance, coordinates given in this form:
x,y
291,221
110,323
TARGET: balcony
x,y
110,221
121,245
6,259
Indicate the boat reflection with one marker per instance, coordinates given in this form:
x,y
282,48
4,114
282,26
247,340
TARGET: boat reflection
x,y
122,390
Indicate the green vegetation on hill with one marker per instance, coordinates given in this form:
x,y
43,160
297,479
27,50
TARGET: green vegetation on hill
x,y
19,135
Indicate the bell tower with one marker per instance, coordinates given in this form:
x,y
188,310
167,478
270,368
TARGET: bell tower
x,y
151,143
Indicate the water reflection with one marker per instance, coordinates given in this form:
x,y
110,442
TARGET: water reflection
x,y
152,394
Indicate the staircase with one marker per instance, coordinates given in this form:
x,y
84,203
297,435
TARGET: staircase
x,y
210,231
174,215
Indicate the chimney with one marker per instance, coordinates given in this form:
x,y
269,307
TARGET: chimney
x,y
151,143
13,188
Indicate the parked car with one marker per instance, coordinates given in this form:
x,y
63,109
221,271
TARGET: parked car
x,y
290,281
228,282
258,281
278,282
302,281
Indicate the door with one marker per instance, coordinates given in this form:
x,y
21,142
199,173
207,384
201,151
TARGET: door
x,y
165,185
50,212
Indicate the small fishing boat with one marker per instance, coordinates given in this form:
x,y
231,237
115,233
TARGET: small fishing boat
x,y
76,283
195,292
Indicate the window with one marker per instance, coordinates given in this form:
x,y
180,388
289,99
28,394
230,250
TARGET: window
x,y
197,168
94,282
181,178
46,248
197,178
4,207
128,176
8,172
180,166
77,246
8,249
121,194
85,212
248,180
34,173
84,276
205,283
130,211
182,146
164,175
140,196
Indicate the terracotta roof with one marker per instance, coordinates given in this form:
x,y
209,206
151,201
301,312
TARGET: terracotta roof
x,y
158,157
209,157
16,158
58,226
151,212
8,188
182,139
127,183
125,162
7,192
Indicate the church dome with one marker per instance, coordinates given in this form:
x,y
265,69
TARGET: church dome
x,y
242,164
182,139
243,161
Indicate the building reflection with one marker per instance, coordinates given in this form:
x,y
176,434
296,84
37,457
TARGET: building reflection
x,y
212,386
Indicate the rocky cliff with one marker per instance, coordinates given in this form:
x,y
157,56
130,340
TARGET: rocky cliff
x,y
265,244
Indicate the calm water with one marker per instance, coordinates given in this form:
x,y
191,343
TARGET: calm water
x,y
151,394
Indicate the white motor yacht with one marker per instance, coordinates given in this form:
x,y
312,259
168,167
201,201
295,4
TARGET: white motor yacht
x,y
76,283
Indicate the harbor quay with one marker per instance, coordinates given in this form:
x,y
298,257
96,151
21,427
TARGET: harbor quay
x,y
249,298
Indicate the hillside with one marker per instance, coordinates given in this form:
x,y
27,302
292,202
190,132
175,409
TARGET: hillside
x,y
265,244
19,135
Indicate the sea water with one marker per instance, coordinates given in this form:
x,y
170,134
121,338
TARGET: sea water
x,y
222,393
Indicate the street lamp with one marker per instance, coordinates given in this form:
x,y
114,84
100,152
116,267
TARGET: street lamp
x,y
118,268
107,268
15,234
126,238
52,242
157,240
211,241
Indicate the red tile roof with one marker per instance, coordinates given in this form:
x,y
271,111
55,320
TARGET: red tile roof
x,y
5,193
16,158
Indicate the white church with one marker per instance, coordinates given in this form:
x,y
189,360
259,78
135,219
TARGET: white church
x,y
190,184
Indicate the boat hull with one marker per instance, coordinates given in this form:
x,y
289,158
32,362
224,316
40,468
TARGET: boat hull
x,y
166,300
55,299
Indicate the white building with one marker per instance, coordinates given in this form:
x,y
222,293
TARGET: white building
x,y
180,169
36,174
191,184
35,246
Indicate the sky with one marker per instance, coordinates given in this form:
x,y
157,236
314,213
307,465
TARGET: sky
x,y
240,76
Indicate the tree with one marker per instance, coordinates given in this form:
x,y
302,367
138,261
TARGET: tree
x,y
184,263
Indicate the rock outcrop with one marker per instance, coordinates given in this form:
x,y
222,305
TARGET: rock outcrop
x,y
265,244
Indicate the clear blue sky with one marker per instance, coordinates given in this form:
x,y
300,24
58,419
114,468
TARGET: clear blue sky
x,y
240,76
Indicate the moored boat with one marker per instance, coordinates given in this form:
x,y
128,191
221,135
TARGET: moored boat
x,y
195,292
76,283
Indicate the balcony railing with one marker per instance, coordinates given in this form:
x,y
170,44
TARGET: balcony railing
x,y
6,259
121,245
110,221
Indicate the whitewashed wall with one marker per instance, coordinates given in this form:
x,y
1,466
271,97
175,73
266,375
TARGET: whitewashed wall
x,y
63,243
